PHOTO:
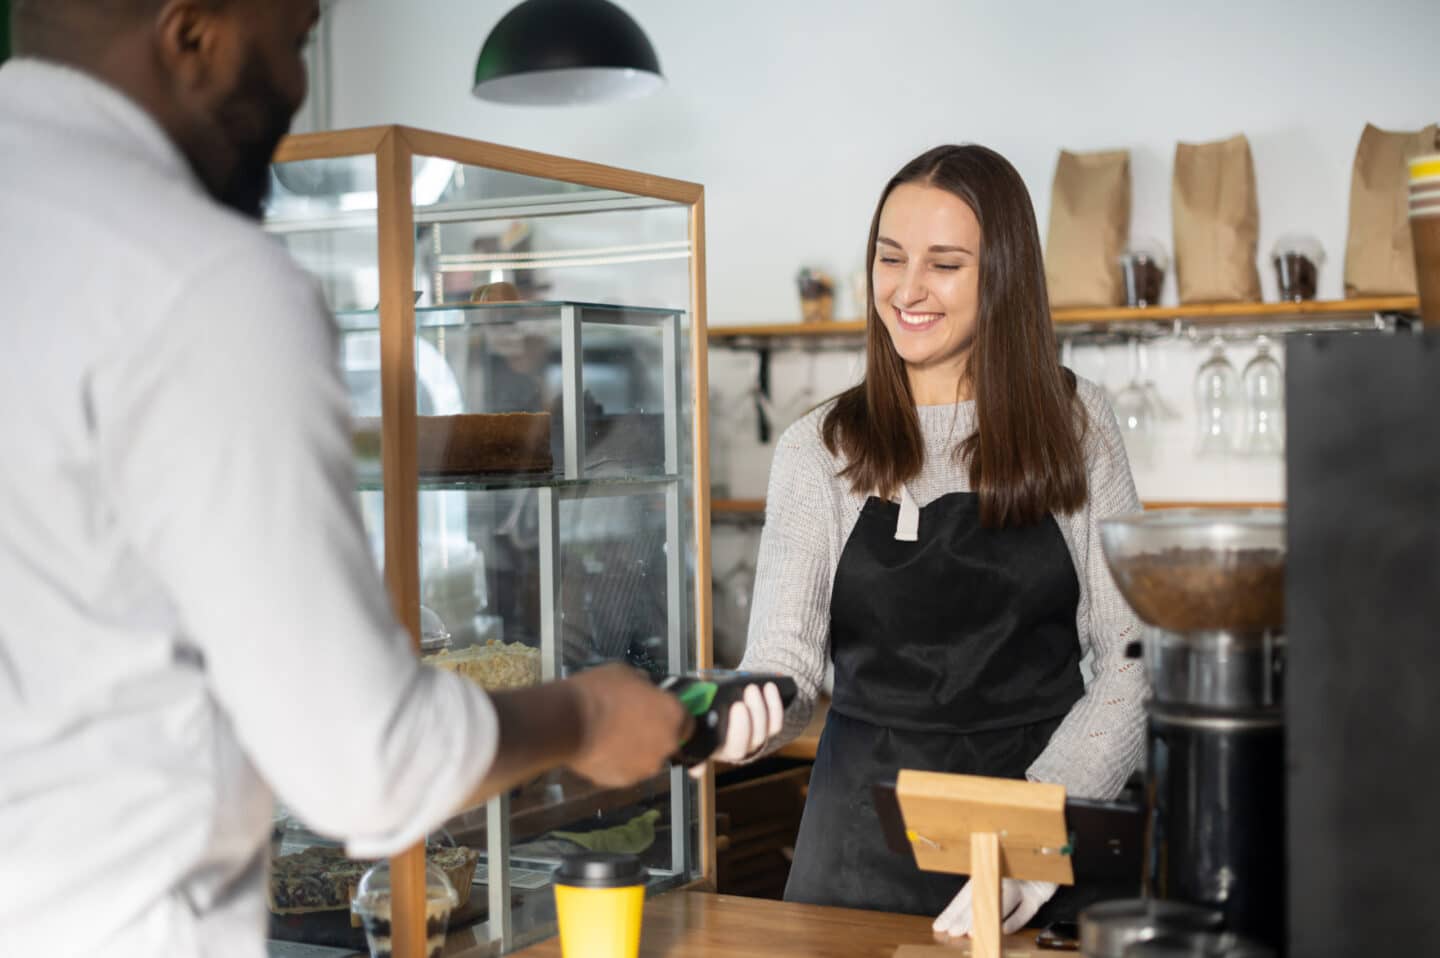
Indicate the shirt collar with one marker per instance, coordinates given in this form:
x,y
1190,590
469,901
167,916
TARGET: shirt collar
x,y
83,105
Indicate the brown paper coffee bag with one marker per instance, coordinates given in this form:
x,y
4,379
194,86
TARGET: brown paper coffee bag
x,y
1089,224
1379,258
1217,222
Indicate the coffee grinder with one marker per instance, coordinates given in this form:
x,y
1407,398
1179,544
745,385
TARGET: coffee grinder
x,y
1210,586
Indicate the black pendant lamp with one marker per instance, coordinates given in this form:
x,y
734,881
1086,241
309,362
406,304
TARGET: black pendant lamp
x,y
559,52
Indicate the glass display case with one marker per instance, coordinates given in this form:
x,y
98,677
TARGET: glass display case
x,y
523,340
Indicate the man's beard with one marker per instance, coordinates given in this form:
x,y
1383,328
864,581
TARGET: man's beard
x,y
256,118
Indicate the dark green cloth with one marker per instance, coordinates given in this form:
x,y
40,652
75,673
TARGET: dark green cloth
x,y
4,30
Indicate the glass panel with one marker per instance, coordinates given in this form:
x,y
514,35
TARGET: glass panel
x,y
493,235
308,194
553,321
314,212
311,877
615,604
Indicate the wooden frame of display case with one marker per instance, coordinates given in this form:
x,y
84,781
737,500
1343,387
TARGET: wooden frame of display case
x,y
394,148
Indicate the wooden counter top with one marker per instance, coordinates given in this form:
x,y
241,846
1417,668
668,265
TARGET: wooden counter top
x,y
808,741
686,924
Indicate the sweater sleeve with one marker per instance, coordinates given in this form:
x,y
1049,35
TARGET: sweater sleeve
x,y
790,612
1101,740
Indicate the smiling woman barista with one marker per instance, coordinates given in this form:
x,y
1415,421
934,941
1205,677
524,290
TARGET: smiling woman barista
x,y
933,530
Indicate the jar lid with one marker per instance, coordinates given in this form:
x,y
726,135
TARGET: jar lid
x,y
1205,944
1144,249
600,870
1301,244
1108,928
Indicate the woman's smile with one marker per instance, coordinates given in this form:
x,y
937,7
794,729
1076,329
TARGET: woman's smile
x,y
916,322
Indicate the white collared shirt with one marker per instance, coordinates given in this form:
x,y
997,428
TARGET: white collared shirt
x,y
188,608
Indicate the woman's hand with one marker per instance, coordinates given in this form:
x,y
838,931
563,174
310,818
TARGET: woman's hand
x,y
1019,901
753,721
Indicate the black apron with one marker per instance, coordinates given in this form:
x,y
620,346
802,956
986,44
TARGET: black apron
x,y
954,653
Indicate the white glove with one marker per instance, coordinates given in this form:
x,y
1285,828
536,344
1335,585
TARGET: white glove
x,y
754,720
1019,901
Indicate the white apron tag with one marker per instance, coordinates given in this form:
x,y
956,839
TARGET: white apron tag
x,y
907,528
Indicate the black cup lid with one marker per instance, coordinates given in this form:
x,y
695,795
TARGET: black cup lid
x,y
600,870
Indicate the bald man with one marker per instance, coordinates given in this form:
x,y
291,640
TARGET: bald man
x,y
189,617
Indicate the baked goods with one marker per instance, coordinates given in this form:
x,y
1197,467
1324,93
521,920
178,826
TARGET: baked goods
x,y
321,878
496,293
317,879
470,444
494,666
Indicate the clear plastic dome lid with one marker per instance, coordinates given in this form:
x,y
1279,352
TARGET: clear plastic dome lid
x,y
1302,244
372,895
1148,249
433,634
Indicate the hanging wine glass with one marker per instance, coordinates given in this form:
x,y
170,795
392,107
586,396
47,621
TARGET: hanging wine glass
x,y
1132,409
1160,407
1218,403
1264,403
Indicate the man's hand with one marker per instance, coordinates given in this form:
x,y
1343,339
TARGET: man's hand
x,y
628,728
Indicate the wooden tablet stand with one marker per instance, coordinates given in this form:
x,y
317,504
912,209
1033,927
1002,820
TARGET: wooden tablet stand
x,y
988,828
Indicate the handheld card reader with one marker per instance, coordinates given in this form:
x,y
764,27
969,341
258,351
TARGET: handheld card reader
x,y
707,696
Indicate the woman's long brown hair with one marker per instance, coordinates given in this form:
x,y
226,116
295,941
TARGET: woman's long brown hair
x,y
1025,456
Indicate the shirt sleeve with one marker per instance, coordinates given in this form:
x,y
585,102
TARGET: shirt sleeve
x,y
225,446
1101,740
790,610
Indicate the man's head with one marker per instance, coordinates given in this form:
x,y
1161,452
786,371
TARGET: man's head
x,y
222,77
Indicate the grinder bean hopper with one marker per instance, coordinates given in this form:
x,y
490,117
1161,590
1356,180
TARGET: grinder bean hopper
x,y
1210,587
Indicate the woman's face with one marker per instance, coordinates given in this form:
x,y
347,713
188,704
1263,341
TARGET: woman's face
x,y
926,278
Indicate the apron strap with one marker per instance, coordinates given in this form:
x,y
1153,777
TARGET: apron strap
x,y
907,528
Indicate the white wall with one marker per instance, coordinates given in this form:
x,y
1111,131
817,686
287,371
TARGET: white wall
x,y
793,113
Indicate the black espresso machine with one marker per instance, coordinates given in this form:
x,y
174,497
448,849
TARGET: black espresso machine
x,y
1293,770
1210,586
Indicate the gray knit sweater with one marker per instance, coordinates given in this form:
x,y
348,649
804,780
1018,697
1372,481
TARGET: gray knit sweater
x,y
809,513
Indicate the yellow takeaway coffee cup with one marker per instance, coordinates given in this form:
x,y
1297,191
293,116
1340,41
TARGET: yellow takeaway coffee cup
x,y
1425,231
599,897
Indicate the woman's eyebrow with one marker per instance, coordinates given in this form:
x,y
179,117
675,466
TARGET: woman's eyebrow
x,y
937,248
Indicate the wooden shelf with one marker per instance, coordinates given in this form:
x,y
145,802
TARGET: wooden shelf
x,y
848,327
1209,312
737,505
743,507
1177,504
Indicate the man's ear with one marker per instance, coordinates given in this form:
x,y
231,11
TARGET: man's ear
x,y
190,41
